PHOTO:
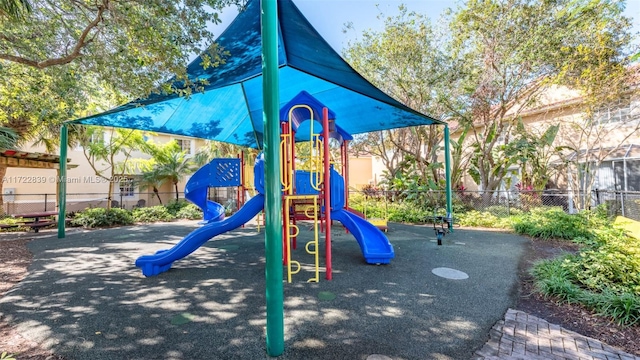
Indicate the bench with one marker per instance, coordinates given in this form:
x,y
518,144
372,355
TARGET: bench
x,y
36,225
34,221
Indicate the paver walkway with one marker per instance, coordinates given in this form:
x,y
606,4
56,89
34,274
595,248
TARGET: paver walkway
x,y
524,336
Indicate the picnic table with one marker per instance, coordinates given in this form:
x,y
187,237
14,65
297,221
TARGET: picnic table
x,y
39,219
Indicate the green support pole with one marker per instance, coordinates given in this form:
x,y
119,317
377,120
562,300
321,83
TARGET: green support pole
x,y
447,174
62,182
273,201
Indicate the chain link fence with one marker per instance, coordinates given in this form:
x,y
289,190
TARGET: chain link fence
x,y
504,203
625,203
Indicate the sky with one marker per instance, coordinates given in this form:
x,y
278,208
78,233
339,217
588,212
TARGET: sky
x,y
329,17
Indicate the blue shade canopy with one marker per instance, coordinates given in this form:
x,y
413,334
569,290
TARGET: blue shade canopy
x,y
229,107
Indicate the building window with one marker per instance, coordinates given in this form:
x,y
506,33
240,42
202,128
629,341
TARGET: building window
x,y
126,186
622,111
185,145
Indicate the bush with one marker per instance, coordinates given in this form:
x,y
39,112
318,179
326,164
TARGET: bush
x,y
604,276
152,214
191,212
175,206
557,278
612,266
485,219
552,223
502,211
12,221
408,213
100,217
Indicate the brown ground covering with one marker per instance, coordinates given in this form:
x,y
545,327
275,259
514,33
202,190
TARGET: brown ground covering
x,y
15,259
570,316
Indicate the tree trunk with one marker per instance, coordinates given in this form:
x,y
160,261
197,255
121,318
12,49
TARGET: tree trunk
x,y
155,191
3,172
176,185
109,195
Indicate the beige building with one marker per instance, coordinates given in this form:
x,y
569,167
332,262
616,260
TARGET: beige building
x,y
611,138
28,189
34,189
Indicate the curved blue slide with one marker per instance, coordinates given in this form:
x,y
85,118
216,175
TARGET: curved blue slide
x,y
196,191
374,244
161,261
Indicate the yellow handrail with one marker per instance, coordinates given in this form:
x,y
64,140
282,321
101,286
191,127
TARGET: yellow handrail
x,y
314,242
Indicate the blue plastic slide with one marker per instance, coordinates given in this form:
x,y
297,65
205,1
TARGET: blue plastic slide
x,y
196,191
375,246
161,261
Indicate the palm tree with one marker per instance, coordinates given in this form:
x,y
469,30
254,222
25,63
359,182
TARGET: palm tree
x,y
172,164
14,9
151,179
8,138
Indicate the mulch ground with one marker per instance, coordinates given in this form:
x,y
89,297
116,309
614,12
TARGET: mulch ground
x,y
570,316
15,259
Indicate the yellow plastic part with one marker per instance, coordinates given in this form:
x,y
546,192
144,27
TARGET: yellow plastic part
x,y
260,219
379,223
287,233
631,226
285,166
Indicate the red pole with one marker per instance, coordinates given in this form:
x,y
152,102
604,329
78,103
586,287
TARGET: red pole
x,y
241,187
327,192
293,182
345,145
284,161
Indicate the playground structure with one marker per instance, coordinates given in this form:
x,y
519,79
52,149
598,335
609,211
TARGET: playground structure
x,y
238,106
217,173
318,194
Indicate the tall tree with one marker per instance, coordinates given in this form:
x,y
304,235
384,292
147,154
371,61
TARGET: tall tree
x,y
109,153
151,179
169,163
14,9
65,52
64,59
404,61
505,52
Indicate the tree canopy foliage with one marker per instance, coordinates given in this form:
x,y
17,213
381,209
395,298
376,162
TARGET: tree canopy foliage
x,y
68,58
486,62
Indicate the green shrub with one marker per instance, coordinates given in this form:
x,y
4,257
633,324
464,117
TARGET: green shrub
x,y
152,214
558,278
191,212
100,217
476,218
502,211
548,223
175,206
409,213
12,221
610,264
604,275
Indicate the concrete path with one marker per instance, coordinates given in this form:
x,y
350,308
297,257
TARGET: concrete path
x,y
524,336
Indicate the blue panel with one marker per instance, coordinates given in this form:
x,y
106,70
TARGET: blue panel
x,y
303,183
224,172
